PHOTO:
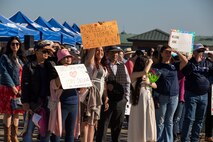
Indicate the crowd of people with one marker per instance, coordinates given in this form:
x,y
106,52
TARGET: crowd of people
x,y
181,97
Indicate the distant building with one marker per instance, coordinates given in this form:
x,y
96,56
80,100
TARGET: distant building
x,y
205,40
157,37
149,39
124,42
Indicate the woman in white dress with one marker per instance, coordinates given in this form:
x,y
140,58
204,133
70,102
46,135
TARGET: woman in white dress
x,y
142,124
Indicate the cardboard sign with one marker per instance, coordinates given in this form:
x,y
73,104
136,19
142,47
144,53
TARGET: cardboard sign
x,y
182,41
100,34
73,76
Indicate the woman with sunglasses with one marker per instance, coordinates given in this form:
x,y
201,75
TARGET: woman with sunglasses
x,y
168,90
11,63
35,90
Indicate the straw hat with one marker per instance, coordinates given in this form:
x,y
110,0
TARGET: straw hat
x,y
128,51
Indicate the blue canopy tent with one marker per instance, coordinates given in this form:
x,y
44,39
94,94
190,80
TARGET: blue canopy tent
x,y
70,28
65,39
75,26
54,23
22,31
45,33
79,40
7,31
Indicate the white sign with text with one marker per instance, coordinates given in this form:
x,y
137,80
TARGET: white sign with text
x,y
73,76
181,41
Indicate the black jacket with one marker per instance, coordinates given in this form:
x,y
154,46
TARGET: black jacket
x,y
35,83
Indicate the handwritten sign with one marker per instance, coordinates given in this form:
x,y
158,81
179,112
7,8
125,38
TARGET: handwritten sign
x,y
100,34
73,76
181,41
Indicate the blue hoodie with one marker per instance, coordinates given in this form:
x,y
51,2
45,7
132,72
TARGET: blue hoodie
x,y
197,75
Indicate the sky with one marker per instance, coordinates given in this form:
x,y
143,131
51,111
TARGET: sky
x,y
132,16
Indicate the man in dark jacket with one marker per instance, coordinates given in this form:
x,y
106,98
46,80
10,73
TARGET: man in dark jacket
x,y
197,86
35,87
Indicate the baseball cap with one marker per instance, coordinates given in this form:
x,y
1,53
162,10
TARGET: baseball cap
x,y
114,48
47,44
198,46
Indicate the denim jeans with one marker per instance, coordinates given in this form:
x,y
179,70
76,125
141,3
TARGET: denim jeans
x,y
69,116
28,135
178,118
194,115
164,117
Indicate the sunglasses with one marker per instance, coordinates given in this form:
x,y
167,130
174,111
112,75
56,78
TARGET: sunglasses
x,y
15,43
56,47
199,51
45,51
168,51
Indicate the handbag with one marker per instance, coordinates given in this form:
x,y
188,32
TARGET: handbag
x,y
16,103
42,123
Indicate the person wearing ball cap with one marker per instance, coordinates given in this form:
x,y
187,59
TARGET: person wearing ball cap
x,y
197,85
46,45
118,91
198,46
35,90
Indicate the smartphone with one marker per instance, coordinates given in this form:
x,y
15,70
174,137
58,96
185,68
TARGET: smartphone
x,y
206,53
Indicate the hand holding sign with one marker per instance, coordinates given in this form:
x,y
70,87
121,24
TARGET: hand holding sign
x,y
73,76
181,41
100,34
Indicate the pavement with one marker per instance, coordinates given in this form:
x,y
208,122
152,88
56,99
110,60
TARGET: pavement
x,y
35,134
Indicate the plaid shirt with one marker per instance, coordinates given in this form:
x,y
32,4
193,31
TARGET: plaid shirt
x,y
118,72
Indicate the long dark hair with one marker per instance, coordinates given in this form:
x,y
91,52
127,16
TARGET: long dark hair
x,y
164,47
20,53
139,66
